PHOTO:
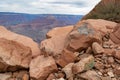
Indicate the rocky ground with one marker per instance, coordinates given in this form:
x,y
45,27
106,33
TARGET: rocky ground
x,y
88,51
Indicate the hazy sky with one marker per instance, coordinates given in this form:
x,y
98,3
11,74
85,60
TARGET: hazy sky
x,y
48,6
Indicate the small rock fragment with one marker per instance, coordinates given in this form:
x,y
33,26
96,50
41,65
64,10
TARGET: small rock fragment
x,y
110,73
60,75
106,78
99,65
5,76
110,60
117,54
68,70
114,79
99,73
25,77
65,58
117,71
97,48
84,64
59,79
89,50
90,75
109,52
51,77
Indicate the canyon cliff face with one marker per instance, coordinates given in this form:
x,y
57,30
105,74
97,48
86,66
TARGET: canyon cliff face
x,y
35,25
106,9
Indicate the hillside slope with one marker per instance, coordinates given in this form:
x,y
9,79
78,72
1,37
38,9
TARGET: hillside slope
x,y
106,9
35,25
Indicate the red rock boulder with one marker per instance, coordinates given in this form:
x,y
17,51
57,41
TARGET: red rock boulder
x,y
103,26
55,43
59,31
41,67
26,41
13,55
82,37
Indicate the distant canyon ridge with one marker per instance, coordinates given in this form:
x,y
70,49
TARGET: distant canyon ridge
x,y
35,25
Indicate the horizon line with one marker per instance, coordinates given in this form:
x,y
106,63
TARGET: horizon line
x,y
39,13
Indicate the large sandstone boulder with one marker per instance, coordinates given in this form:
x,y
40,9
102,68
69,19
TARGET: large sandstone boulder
x,y
101,25
13,55
59,31
4,33
55,43
82,37
41,67
53,46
